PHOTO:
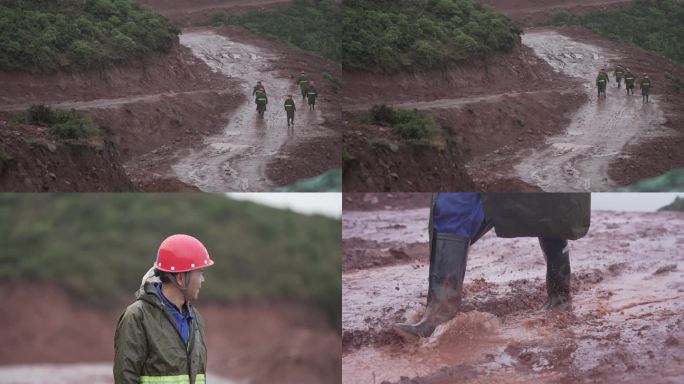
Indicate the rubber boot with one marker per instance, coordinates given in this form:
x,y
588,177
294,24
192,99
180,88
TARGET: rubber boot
x,y
557,256
448,257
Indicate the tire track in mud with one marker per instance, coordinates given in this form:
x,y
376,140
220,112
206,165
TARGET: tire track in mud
x,y
578,159
236,159
625,326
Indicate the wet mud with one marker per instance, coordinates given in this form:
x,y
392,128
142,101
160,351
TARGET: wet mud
x,y
236,159
625,324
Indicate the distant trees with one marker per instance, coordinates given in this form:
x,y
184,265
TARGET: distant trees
x,y
50,35
655,25
313,25
392,35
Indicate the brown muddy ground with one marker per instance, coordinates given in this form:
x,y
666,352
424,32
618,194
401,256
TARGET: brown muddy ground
x,y
626,324
525,121
57,339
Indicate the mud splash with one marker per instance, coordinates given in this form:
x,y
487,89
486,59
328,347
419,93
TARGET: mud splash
x,y
625,324
578,159
236,159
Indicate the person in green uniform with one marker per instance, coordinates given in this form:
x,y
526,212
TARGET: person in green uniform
x,y
303,82
619,74
629,81
601,82
258,87
290,110
312,94
261,101
645,85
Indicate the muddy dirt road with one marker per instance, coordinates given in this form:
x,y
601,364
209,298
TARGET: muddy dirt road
x,y
578,159
236,159
626,324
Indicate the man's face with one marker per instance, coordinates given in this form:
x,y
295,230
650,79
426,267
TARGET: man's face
x,y
195,284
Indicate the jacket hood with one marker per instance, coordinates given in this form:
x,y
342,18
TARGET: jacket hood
x,y
147,290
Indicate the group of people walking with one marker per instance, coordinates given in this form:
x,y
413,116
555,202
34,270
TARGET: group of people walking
x,y
620,73
307,88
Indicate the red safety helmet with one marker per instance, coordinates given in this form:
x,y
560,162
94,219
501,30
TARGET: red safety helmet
x,y
182,253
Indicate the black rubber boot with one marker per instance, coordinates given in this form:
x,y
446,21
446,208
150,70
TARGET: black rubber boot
x,y
557,256
447,270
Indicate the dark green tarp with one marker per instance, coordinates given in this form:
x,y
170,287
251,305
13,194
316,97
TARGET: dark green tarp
x,y
560,215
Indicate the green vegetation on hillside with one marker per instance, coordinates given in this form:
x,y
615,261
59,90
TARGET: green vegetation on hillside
x,y
409,124
98,246
313,25
43,35
391,35
63,124
676,205
655,25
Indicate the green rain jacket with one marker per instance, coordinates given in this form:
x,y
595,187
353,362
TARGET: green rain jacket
x,y
629,79
311,94
148,347
601,81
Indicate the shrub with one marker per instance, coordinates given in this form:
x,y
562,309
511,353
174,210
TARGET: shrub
x,y
407,124
51,35
63,124
70,125
403,34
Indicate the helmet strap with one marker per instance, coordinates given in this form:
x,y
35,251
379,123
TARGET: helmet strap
x,y
184,289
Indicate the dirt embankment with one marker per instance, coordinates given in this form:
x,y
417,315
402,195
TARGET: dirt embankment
x,y
158,103
374,159
263,343
498,104
519,70
32,160
625,324
176,71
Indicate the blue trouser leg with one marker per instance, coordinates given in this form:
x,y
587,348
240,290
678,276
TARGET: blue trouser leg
x,y
458,213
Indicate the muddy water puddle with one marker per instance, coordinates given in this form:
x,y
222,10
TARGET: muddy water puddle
x,y
578,159
626,324
235,159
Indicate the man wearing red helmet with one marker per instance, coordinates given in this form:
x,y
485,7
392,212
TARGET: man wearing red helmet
x,y
160,337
